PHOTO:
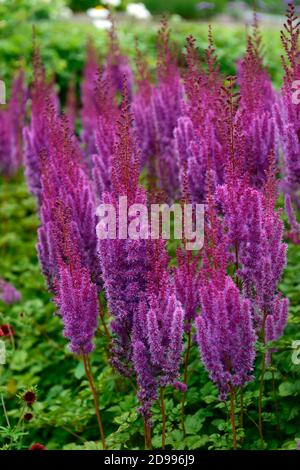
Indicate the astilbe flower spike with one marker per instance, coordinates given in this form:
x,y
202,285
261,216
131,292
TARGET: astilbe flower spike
x,y
157,334
107,113
294,234
77,302
257,99
196,143
167,104
35,135
287,112
254,233
124,261
66,193
225,335
142,105
11,125
117,65
8,293
88,111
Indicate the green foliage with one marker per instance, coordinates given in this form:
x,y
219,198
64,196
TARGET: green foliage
x,y
63,415
83,5
64,54
187,8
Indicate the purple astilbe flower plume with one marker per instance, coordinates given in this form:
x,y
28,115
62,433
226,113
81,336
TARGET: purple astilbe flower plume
x,y
254,231
167,104
124,262
8,293
157,334
142,111
88,111
108,113
67,235
186,279
257,98
77,301
276,322
35,135
226,336
294,234
197,146
64,179
215,251
71,104
117,65
288,111
11,125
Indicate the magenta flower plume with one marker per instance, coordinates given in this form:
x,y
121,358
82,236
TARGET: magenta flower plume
x,y
197,144
257,99
157,337
67,236
124,262
77,302
255,231
8,293
294,234
117,65
167,105
66,192
277,320
143,114
226,336
11,125
187,281
88,111
35,135
287,112
107,113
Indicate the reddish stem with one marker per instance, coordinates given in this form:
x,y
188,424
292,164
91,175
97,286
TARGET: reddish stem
x,y
89,374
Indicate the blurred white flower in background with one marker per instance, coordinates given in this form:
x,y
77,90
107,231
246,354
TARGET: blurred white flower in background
x,y
98,13
112,3
138,11
102,24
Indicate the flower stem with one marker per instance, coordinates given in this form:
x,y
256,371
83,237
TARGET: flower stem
x,y
186,363
261,383
4,411
275,397
147,436
261,389
163,415
242,411
89,374
102,318
232,418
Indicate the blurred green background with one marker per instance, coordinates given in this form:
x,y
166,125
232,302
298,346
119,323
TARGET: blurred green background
x,y
62,33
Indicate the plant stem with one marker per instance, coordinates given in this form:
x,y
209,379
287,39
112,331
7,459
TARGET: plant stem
x,y
275,397
147,435
163,415
89,374
261,384
102,318
232,418
261,389
4,411
242,411
186,363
